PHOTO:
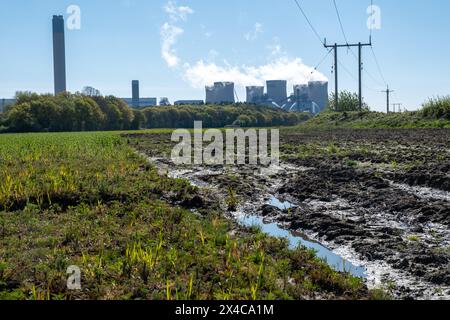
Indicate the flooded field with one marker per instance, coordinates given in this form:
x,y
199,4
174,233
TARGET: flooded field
x,y
374,203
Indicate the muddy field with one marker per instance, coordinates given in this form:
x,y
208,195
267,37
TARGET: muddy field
x,y
378,199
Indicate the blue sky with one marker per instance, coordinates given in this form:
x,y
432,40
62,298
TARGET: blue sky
x,y
174,48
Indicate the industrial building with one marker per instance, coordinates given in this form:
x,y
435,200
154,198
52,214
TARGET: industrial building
x,y
59,54
164,101
221,92
188,102
255,94
312,97
300,100
143,102
6,102
301,90
277,91
136,101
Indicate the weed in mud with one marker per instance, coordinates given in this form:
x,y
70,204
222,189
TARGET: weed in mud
x,y
414,238
232,200
352,163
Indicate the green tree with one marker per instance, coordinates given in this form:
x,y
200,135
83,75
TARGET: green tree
x,y
46,114
113,115
20,119
139,120
347,102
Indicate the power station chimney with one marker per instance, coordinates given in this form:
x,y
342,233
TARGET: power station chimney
x,y
135,93
59,54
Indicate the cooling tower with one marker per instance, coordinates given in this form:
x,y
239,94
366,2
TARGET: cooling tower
x,y
210,95
301,92
255,94
221,92
225,92
277,91
318,93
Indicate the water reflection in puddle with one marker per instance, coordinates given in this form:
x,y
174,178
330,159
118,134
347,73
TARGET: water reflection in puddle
x,y
282,205
335,261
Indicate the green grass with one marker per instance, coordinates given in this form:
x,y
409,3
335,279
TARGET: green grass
x,y
361,120
414,238
88,199
438,108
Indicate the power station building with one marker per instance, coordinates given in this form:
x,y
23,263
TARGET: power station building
x,y
164,101
59,54
143,102
277,91
255,94
5,103
220,92
301,91
188,102
136,101
312,97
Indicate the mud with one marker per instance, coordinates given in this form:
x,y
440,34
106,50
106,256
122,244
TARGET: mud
x,y
378,198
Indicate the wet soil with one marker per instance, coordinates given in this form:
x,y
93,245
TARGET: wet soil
x,y
380,198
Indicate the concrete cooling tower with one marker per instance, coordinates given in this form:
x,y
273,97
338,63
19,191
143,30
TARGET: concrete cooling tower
x,y
277,91
255,94
221,92
318,93
301,91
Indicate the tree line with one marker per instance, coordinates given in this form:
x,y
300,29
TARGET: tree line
x,y
219,116
68,112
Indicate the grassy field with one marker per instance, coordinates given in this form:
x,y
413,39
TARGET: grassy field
x,y
366,119
88,199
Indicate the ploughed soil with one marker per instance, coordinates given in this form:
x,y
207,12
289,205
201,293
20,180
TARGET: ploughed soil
x,y
386,193
383,195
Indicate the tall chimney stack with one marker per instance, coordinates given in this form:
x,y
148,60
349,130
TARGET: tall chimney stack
x,y
59,54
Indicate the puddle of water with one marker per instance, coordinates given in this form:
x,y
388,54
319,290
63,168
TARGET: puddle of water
x,y
332,259
275,202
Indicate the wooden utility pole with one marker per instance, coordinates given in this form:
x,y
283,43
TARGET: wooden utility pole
x,y
360,66
388,92
399,105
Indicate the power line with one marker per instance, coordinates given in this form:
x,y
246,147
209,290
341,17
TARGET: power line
x,y
373,78
348,71
371,7
375,56
350,48
319,64
335,48
309,22
354,77
378,65
342,29
340,22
